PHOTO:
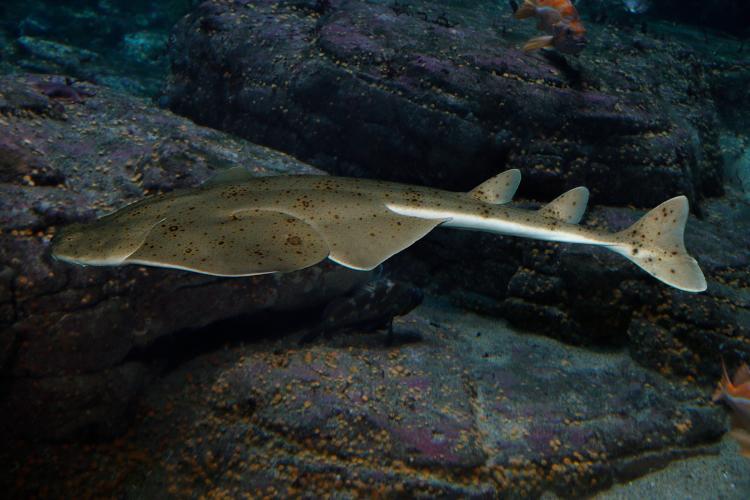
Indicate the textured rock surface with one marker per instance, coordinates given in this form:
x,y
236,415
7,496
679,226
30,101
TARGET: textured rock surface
x,y
121,44
440,94
66,330
471,409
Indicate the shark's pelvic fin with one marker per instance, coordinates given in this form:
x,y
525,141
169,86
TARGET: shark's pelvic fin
x,y
500,189
365,244
568,207
655,243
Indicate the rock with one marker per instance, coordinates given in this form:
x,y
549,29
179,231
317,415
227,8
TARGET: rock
x,y
117,44
731,92
145,46
96,405
439,94
65,57
69,161
7,315
736,155
472,410
33,26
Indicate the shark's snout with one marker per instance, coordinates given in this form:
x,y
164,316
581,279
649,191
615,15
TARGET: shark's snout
x,y
91,244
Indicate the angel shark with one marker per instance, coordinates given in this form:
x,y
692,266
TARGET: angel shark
x,y
242,227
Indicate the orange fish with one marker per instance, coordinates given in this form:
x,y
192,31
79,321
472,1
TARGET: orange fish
x,y
560,20
736,393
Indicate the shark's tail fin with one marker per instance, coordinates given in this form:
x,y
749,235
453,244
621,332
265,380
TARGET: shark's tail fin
x,y
655,243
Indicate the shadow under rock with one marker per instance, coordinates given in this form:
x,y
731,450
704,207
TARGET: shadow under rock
x,y
170,351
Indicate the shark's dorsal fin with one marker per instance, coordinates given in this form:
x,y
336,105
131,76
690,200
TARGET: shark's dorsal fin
x,y
500,189
230,176
568,207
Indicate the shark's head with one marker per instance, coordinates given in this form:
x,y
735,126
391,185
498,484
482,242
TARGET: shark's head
x,y
98,243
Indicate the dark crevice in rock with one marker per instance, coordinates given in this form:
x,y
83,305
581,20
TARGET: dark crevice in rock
x,y
10,347
175,349
629,468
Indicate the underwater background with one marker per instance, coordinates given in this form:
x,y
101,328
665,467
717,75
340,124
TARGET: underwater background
x,y
530,369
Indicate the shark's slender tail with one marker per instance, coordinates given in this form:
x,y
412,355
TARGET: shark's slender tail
x,y
655,243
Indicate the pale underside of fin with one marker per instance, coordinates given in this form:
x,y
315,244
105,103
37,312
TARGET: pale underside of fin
x,y
498,190
538,43
240,244
363,241
568,207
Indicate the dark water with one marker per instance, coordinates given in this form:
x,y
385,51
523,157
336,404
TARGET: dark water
x,y
467,365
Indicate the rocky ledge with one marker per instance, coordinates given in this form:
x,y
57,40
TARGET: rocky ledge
x,y
473,409
439,93
67,333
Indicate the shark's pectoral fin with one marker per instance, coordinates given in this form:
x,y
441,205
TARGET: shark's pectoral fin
x,y
568,207
240,244
500,189
365,242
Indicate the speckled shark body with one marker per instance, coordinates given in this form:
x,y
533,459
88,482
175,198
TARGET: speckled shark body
x,y
232,227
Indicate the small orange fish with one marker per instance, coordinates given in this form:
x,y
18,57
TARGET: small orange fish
x,y
736,393
560,20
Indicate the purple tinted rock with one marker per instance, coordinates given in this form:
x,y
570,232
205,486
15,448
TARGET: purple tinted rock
x,y
63,322
503,414
440,94
97,405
